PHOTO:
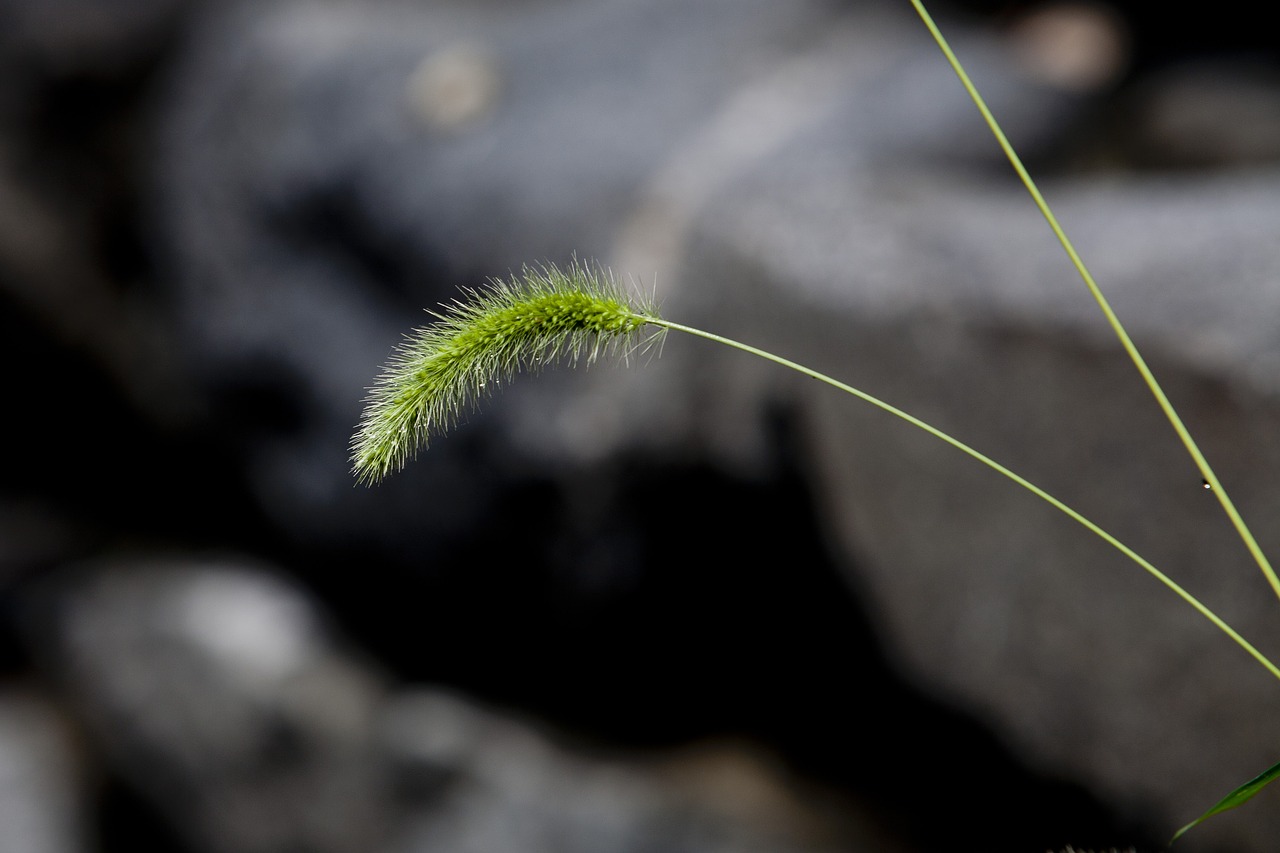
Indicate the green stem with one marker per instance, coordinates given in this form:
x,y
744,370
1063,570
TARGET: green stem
x,y
990,463
1139,362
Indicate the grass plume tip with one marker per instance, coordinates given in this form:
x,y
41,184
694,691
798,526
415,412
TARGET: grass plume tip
x,y
493,332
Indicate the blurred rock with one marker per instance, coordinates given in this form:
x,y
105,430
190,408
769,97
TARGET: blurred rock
x,y
215,688
491,783
1223,113
42,777
1086,663
75,101
63,38
1080,46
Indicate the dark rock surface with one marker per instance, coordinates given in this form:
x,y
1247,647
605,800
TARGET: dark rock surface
x,y
696,604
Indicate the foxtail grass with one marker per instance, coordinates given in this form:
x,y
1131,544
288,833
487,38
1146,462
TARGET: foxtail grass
x,y
441,371
549,313
580,313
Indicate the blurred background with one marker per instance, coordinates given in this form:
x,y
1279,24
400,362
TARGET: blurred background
x,y
683,604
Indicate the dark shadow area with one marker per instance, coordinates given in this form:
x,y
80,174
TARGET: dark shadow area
x,y
79,446
687,603
127,822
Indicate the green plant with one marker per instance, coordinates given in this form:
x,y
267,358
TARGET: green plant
x,y
580,313
446,368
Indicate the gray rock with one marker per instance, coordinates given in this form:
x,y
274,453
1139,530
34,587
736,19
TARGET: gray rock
x,y
69,37
1206,114
73,108
218,690
496,784
944,295
214,688
43,779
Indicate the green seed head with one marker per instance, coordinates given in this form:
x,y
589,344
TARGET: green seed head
x,y
442,370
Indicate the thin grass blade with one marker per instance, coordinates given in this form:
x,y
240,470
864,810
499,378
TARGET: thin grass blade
x,y
1238,797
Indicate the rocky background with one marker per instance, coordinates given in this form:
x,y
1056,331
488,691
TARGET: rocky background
x,y
691,604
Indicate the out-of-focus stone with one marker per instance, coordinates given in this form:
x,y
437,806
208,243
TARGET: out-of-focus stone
x,y
214,689
1204,115
43,778
69,37
487,782
945,296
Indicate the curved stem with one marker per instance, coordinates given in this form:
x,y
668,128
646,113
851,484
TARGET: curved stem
x,y
1242,529
990,463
